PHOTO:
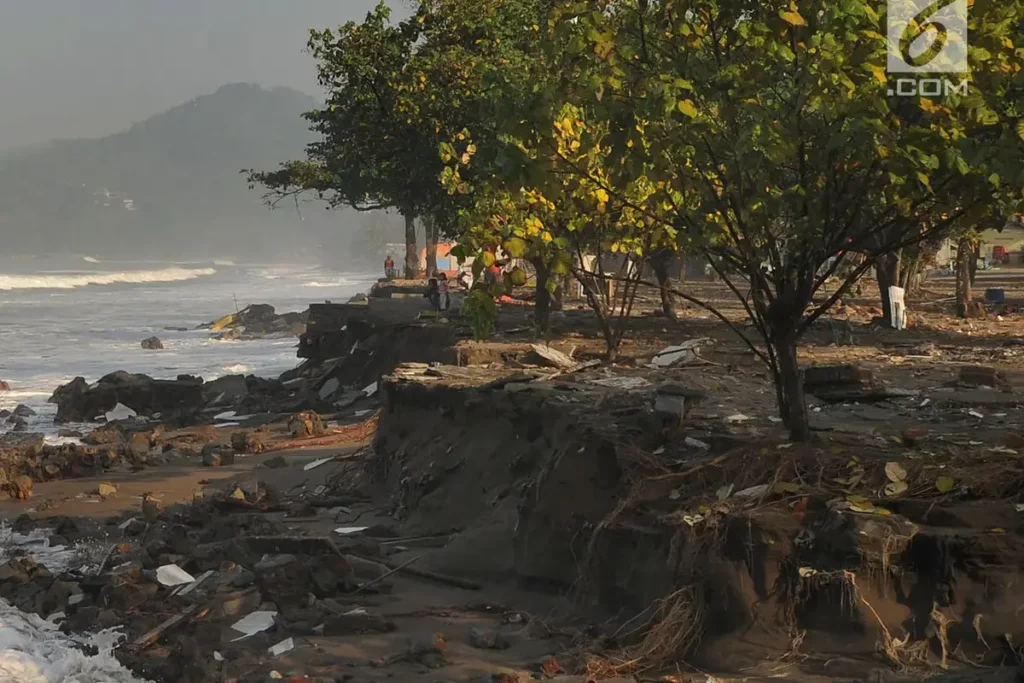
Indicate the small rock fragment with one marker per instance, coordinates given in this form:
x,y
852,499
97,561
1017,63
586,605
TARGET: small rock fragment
x,y
487,639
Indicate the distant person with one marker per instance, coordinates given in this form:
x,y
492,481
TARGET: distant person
x,y
442,290
433,294
464,280
491,274
389,268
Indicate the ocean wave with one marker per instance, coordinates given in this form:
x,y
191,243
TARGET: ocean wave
x,y
90,259
33,650
236,369
337,283
10,282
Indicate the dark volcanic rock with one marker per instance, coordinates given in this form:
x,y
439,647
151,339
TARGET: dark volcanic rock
x,y
152,344
20,446
4,386
23,411
226,391
77,401
258,321
247,442
216,456
306,424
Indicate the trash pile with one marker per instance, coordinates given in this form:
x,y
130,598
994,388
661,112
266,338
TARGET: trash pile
x,y
198,593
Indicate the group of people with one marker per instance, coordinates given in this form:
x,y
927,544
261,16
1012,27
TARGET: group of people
x,y
437,287
437,292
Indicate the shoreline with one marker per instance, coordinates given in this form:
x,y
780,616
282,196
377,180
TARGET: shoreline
x,y
539,499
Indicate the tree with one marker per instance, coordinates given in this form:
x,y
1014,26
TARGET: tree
x,y
764,134
563,219
661,261
373,152
485,59
965,250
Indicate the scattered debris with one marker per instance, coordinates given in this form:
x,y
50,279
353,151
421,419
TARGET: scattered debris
x,y
696,443
487,639
173,575
119,412
106,489
316,463
553,357
254,623
280,648
682,354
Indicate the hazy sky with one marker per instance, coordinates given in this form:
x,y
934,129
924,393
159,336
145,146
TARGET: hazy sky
x,y
85,68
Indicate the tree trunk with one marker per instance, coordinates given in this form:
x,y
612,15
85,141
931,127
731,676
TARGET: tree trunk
x,y
412,261
789,386
910,274
659,263
430,232
596,302
975,256
542,305
963,276
887,273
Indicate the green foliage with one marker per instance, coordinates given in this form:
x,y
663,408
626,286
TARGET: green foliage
x,y
482,312
761,135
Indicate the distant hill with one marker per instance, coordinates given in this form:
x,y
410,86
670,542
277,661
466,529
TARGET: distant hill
x,y
168,186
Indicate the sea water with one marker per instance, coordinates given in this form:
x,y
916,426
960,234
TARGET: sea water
x,y
62,317
33,650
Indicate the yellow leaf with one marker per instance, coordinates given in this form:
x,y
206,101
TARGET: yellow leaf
x,y
929,106
687,107
997,530
895,488
792,18
601,196
944,484
878,72
895,471
860,504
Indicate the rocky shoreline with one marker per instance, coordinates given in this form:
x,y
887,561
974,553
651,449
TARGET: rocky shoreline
x,y
409,503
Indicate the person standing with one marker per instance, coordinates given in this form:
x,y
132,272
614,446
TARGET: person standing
x,y
389,268
433,294
442,290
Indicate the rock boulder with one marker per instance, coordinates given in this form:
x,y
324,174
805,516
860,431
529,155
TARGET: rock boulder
x,y
152,344
78,401
258,321
23,411
305,424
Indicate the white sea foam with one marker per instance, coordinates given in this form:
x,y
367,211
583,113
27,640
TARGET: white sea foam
x,y
90,259
33,650
12,282
236,369
338,283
